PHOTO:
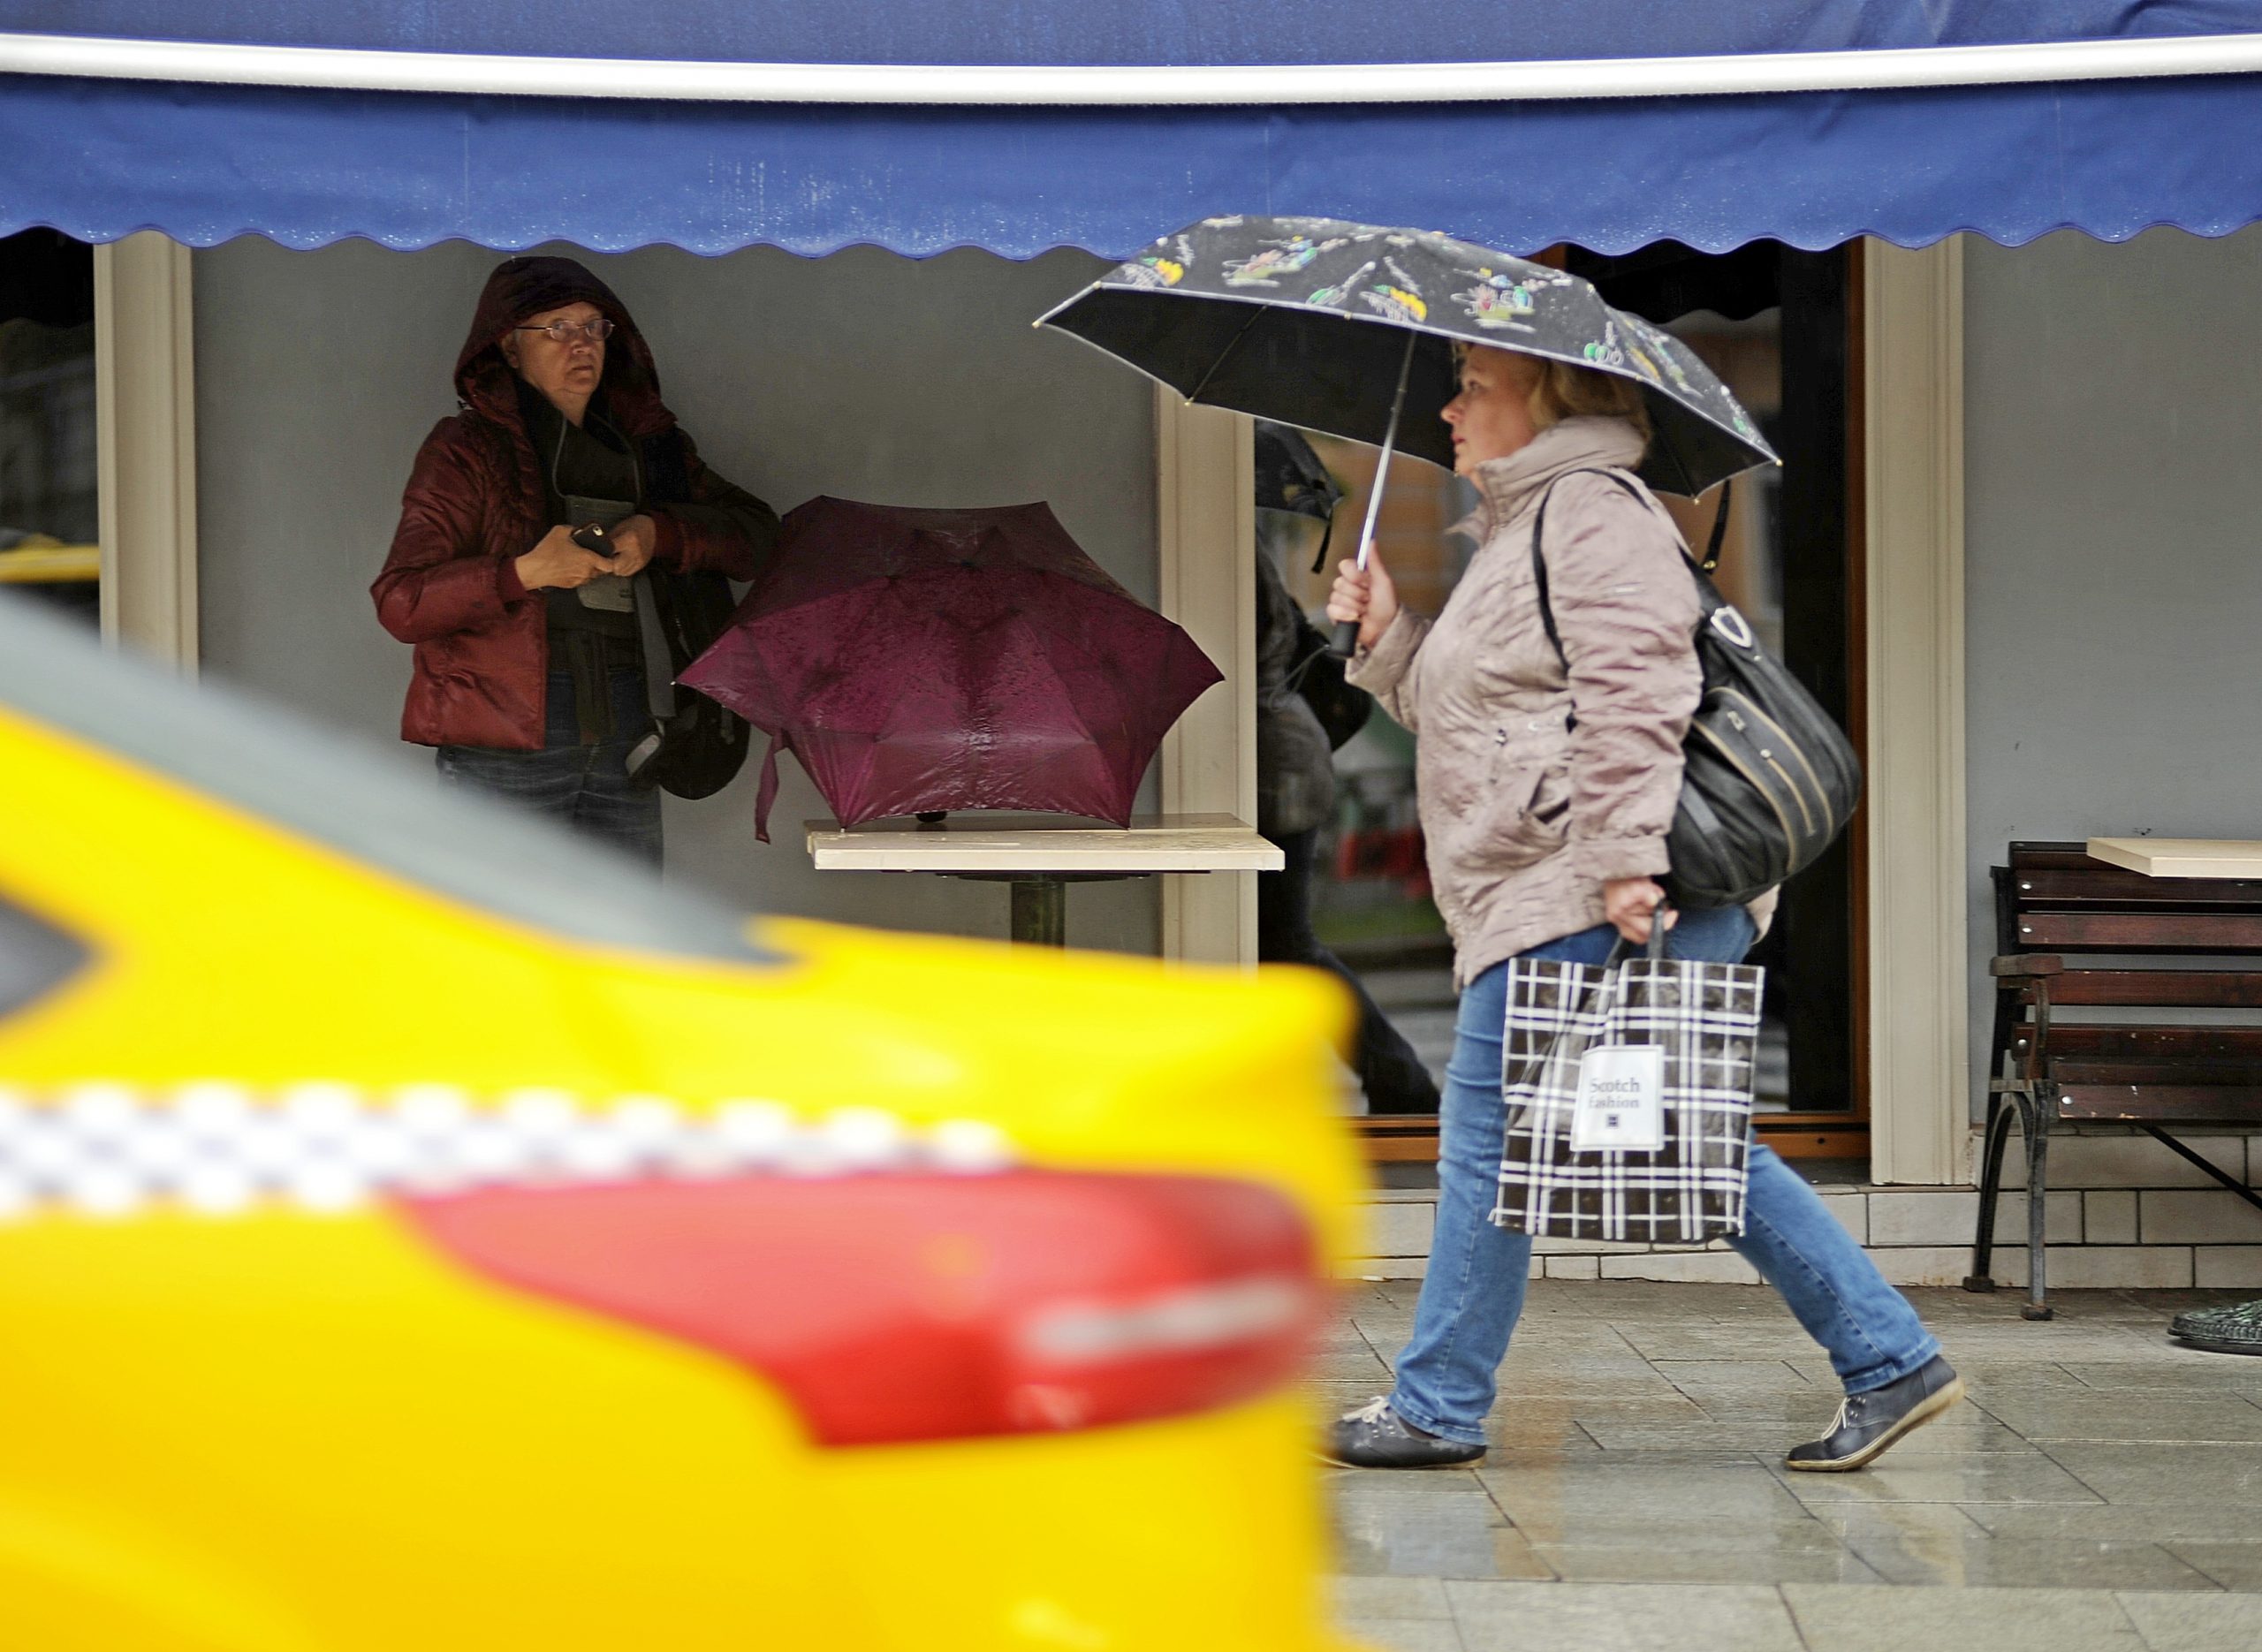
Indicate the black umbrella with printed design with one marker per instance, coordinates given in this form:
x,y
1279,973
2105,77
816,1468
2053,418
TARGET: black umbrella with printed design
x,y
1318,323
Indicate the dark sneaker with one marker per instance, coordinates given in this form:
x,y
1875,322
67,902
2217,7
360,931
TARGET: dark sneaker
x,y
1376,1437
2234,1330
1867,1423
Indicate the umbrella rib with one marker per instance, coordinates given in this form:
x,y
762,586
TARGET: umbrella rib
x,y
1255,315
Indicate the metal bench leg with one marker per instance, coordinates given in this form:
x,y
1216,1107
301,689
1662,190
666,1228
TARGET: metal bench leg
x,y
2038,1110
1993,1140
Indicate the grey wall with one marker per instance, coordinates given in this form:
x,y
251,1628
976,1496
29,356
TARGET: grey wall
x,y
2113,546
864,375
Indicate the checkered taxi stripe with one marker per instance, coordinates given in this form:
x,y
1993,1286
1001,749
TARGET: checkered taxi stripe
x,y
112,1150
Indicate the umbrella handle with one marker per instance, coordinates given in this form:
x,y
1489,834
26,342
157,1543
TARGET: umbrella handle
x,y
1345,643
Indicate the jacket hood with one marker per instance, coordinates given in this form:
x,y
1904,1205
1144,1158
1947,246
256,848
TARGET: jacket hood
x,y
521,287
1504,485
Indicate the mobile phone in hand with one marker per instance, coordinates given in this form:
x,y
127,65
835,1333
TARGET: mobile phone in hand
x,y
592,536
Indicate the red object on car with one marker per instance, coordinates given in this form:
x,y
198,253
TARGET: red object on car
x,y
923,1307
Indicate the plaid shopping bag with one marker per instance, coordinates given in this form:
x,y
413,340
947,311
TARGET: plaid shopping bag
x,y
1706,1019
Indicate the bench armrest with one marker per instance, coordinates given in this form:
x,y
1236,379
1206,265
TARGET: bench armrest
x,y
2026,966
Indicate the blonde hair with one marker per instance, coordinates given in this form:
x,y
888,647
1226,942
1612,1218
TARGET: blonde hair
x,y
1565,389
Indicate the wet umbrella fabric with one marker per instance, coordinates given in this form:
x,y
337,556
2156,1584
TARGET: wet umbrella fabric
x,y
1305,320
921,660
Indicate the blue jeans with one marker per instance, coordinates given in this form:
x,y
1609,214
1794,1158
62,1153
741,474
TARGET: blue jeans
x,y
1473,1292
585,787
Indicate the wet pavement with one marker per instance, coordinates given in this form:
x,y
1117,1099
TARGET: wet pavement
x,y
2100,1487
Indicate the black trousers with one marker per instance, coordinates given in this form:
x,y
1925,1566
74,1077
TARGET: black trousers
x,y
1391,1073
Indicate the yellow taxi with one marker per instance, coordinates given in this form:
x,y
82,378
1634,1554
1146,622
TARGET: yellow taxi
x,y
419,1232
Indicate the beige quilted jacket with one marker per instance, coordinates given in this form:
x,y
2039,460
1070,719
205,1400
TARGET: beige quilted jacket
x,y
1536,790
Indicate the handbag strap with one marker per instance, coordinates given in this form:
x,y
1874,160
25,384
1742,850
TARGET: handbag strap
x,y
652,644
1633,489
1654,950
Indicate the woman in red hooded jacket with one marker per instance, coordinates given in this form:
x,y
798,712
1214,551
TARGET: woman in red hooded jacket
x,y
528,676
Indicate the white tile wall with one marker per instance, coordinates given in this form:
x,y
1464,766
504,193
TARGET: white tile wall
x,y
2175,1218
1716,1267
1941,1215
1938,1264
2238,1266
1853,1213
2118,1266
2132,1161
2124,1213
1927,1215
2109,1217
2061,1226
1400,1229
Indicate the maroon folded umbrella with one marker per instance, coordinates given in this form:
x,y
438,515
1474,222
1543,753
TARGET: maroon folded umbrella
x,y
923,660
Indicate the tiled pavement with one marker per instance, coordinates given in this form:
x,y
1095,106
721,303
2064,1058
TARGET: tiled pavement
x,y
2100,1487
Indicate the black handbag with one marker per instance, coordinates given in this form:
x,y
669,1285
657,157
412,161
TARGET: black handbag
x,y
697,747
1769,780
1342,710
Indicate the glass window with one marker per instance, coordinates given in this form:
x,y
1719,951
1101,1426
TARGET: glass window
x,y
49,503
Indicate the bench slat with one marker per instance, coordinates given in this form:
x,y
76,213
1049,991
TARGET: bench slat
x,y
2174,988
2186,1071
2052,856
2139,932
2209,1103
2146,1043
2116,884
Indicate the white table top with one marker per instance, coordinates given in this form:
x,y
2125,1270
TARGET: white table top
x,y
1044,843
2180,857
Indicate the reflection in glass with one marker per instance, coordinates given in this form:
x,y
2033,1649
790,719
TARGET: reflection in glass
x,y
49,514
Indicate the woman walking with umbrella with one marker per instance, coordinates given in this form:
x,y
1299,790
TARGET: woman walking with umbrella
x,y
1547,783
1548,778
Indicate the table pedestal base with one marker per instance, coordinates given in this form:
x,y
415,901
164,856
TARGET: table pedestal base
x,y
1040,913
1040,909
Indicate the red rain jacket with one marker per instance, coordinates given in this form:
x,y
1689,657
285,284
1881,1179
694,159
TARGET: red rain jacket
x,y
475,502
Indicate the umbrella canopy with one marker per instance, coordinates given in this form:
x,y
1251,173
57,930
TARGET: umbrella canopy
x,y
920,660
1306,321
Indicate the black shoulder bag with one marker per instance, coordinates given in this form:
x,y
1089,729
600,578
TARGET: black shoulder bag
x,y
698,747
1768,779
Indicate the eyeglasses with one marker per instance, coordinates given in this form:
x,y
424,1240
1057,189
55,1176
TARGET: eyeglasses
x,y
563,332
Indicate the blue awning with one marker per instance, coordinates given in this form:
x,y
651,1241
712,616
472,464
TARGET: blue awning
x,y
795,122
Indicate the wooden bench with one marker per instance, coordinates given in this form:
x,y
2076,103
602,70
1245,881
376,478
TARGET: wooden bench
x,y
2141,1048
